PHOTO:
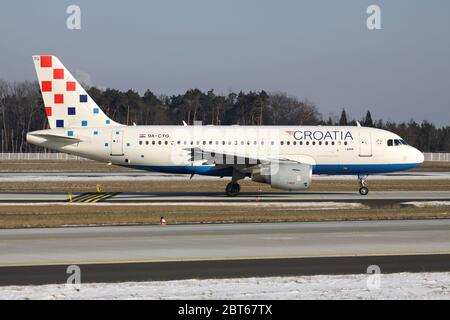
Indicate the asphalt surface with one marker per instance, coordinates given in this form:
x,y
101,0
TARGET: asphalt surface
x,y
373,199
162,271
137,253
222,241
49,175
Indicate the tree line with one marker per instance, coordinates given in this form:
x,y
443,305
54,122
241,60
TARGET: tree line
x,y
22,110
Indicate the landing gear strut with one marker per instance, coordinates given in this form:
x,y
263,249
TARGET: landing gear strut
x,y
363,190
232,189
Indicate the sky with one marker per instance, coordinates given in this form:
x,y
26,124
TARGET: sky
x,y
317,50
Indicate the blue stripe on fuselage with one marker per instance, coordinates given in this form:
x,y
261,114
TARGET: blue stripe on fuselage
x,y
362,168
349,169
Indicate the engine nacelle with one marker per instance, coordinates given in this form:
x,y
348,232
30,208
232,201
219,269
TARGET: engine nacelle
x,y
285,176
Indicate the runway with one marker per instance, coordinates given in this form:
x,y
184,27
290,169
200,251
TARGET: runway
x,y
373,199
36,176
184,251
221,241
224,269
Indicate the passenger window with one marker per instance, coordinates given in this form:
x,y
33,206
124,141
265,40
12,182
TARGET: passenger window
x,y
146,142
345,143
140,142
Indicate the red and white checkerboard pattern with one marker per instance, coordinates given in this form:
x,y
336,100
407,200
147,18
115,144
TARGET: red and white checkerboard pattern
x,y
67,105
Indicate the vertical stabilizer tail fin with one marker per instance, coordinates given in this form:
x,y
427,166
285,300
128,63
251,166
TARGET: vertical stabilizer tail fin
x,y
67,104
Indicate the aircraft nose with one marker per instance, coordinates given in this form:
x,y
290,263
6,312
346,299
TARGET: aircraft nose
x,y
418,156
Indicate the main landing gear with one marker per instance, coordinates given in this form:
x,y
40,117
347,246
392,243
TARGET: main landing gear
x,y
363,190
233,188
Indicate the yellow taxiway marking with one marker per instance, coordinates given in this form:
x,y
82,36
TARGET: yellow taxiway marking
x,y
81,197
93,197
100,197
120,261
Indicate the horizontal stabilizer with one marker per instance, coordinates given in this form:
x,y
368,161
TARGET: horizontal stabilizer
x,y
55,137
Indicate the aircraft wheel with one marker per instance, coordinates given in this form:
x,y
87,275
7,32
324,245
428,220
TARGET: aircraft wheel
x,y
233,189
363,191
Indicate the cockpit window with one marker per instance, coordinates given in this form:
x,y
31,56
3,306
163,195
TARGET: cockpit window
x,y
396,142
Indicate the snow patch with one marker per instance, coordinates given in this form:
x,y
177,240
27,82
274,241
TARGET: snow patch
x,y
427,204
392,286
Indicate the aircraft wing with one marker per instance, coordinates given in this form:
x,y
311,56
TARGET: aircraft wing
x,y
231,159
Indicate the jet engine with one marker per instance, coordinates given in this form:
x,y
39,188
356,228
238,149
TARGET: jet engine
x,y
285,175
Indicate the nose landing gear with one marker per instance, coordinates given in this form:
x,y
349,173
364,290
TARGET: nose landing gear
x,y
363,190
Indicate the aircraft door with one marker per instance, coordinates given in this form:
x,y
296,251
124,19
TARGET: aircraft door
x,y
117,143
365,144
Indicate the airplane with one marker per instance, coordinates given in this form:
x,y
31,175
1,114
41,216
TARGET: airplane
x,y
285,157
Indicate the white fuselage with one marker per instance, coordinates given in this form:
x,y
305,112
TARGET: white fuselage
x,y
329,149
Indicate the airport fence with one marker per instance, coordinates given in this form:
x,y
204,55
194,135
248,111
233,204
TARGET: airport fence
x,y
38,156
437,157
64,156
